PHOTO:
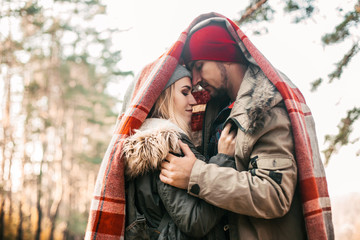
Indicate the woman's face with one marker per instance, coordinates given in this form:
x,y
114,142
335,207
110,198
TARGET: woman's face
x,y
183,99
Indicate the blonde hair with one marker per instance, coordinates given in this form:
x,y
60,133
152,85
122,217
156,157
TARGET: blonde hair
x,y
164,107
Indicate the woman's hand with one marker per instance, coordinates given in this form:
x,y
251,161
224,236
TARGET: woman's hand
x,y
226,143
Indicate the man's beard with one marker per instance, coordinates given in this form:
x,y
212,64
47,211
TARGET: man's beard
x,y
222,90
219,93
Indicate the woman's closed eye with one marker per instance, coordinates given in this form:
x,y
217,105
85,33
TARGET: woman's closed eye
x,y
185,92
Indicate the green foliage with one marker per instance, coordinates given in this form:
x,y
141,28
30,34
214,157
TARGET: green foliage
x,y
123,73
346,30
291,6
77,223
264,13
95,121
67,111
47,122
32,88
315,84
262,10
86,158
344,62
96,154
342,31
342,137
73,92
30,9
305,9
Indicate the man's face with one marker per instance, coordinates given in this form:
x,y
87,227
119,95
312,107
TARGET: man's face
x,y
211,76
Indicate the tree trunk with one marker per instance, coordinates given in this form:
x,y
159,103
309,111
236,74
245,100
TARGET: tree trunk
x,y
5,123
39,192
7,153
2,209
56,102
20,226
23,215
9,178
53,217
54,210
38,207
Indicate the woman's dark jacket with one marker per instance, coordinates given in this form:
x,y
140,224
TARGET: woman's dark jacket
x,y
169,212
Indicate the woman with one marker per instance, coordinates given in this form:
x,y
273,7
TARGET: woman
x,y
156,210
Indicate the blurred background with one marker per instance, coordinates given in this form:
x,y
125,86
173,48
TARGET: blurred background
x,y
65,66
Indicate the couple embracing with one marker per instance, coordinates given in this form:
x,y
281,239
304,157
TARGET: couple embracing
x,y
257,173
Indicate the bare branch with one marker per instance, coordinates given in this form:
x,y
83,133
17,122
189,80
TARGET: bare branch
x,y
250,10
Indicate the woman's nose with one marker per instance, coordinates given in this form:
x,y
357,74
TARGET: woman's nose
x,y
192,100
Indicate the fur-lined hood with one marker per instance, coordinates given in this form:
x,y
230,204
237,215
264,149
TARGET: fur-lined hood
x,y
256,97
151,143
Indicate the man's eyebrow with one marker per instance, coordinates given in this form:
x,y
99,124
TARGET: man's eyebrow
x,y
190,65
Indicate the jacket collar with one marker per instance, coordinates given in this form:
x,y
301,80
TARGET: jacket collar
x,y
255,98
156,124
144,151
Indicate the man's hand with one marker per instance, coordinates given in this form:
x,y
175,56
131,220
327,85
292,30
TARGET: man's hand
x,y
176,170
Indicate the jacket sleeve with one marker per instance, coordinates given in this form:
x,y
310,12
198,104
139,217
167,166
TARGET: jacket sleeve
x,y
192,215
223,160
265,182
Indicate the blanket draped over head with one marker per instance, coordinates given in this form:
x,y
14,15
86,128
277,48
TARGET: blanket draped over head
x,y
107,213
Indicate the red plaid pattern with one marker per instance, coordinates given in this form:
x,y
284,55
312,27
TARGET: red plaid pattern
x,y
107,213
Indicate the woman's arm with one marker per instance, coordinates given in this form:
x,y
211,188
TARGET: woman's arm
x,y
226,148
193,216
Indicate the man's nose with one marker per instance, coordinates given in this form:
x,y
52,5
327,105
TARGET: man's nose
x,y
196,78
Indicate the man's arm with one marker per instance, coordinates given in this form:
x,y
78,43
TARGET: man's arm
x,y
263,190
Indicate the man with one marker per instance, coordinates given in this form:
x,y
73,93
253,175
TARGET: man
x,y
262,195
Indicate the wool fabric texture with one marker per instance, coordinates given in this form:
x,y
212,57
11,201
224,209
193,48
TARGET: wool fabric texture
x,y
212,42
179,73
107,211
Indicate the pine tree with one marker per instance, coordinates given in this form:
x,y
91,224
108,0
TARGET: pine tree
x,y
63,64
346,31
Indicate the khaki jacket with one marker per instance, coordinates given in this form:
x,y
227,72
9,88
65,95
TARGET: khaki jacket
x,y
261,193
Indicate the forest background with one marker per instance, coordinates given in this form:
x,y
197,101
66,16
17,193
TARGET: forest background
x,y
65,65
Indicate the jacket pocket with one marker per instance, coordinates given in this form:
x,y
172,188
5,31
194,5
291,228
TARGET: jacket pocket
x,y
273,166
137,230
271,162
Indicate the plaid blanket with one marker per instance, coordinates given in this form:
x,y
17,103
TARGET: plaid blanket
x,y
107,213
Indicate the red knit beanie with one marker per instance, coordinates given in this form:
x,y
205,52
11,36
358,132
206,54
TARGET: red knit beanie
x,y
212,42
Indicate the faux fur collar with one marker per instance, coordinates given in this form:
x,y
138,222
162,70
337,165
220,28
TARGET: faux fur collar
x,y
256,97
147,148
